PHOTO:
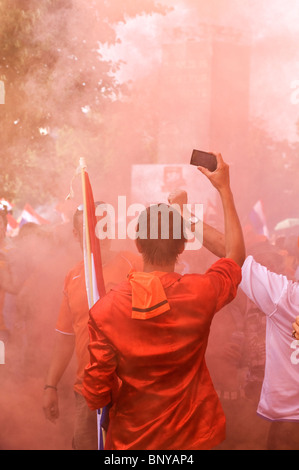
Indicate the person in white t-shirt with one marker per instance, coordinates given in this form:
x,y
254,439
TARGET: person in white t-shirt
x,y
278,298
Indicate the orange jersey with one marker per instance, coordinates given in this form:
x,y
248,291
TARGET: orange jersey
x,y
166,399
74,312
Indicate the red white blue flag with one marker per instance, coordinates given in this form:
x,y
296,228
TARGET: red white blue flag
x,y
95,286
30,215
94,280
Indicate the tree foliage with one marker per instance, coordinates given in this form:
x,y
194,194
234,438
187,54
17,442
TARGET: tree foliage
x,y
58,88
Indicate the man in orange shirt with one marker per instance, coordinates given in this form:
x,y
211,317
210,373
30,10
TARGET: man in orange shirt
x,y
72,334
151,332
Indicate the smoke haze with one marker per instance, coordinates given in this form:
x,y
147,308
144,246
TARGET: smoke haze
x,y
124,92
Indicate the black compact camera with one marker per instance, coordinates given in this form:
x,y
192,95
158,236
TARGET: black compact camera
x,y
205,159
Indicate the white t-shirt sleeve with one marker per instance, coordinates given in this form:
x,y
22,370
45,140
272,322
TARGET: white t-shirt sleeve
x,y
263,287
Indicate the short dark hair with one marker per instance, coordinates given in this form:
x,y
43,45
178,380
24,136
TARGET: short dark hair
x,y
160,234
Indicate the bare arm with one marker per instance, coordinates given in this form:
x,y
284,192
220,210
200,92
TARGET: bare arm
x,y
231,244
213,240
62,354
234,241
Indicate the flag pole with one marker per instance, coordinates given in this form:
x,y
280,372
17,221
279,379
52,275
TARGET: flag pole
x,y
90,259
86,229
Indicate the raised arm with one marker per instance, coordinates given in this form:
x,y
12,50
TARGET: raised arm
x,y
231,243
234,240
63,350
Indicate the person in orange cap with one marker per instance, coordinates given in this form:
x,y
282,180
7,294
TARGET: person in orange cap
x,y
150,334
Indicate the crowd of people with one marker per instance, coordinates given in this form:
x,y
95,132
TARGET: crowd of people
x,y
187,350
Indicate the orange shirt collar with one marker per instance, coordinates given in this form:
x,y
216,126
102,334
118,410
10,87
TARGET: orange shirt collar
x,y
148,296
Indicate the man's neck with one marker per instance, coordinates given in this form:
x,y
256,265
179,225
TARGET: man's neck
x,y
148,268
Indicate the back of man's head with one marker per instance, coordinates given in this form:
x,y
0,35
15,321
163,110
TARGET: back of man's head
x,y
160,235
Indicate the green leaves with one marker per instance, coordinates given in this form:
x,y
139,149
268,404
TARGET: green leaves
x,y
57,86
